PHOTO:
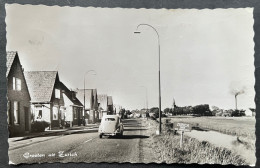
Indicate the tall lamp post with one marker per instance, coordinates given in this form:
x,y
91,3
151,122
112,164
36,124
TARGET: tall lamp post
x,y
86,73
146,97
160,121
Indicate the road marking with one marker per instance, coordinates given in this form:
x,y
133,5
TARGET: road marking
x,y
87,140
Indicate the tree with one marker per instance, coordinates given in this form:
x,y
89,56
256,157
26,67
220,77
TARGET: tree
x,y
167,110
122,113
155,111
202,110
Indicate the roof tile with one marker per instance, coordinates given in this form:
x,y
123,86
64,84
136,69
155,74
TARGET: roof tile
x,y
40,84
10,55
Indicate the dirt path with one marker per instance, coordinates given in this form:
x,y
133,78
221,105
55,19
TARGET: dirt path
x,y
147,152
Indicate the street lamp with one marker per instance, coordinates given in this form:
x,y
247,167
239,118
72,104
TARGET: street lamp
x,y
138,32
146,97
86,73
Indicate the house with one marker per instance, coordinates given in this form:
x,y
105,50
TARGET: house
x,y
117,109
110,105
89,96
47,101
73,108
102,105
18,97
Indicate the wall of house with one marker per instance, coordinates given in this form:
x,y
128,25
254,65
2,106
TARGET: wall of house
x,y
78,119
45,112
22,97
56,103
110,109
69,113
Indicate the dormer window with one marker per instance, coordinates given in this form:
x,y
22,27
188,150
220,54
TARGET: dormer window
x,y
57,93
17,84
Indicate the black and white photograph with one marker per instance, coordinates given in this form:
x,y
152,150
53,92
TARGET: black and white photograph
x,y
126,85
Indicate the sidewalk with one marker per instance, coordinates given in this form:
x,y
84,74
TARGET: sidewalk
x,y
32,138
70,130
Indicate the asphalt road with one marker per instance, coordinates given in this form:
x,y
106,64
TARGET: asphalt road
x,y
86,147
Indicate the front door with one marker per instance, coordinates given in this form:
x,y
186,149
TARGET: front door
x,y
26,119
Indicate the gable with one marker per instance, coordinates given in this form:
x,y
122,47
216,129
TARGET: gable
x,y
109,100
102,100
10,56
88,97
14,69
41,84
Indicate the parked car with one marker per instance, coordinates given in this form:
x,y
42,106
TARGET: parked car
x,y
111,125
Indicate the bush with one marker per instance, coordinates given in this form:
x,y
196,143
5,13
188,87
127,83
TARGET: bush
x,y
154,113
39,126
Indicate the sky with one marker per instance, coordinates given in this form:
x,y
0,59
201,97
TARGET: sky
x,y
206,55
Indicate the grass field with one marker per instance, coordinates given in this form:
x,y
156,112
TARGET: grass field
x,y
238,126
167,148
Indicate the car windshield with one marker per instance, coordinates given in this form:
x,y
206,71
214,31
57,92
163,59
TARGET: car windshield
x,y
110,119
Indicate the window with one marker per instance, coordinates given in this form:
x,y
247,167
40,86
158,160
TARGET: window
x,y
39,114
8,113
14,83
57,93
74,113
16,112
55,113
17,84
80,112
110,119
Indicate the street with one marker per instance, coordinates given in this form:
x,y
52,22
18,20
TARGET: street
x,y
86,147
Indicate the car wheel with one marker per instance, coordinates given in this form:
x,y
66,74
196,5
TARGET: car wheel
x,y
100,136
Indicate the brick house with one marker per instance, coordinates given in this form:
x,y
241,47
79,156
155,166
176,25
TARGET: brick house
x,y
91,103
73,108
18,108
47,101
18,98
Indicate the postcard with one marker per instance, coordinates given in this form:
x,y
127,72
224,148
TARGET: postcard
x,y
90,84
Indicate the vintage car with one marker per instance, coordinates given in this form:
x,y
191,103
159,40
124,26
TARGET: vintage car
x,y
111,125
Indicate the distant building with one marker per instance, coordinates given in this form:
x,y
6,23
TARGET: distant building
x,y
250,112
91,103
110,105
73,108
18,108
117,109
102,105
47,101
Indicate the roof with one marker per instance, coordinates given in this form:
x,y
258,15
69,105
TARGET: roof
x,y
102,99
40,84
94,92
88,96
109,100
10,55
70,95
